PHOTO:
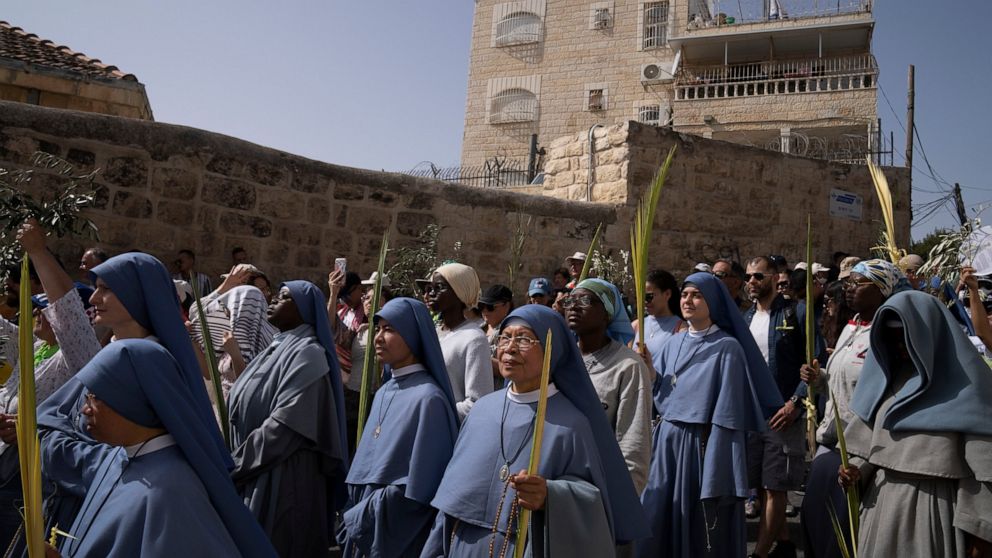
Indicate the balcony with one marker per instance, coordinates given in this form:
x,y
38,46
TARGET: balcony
x,y
733,14
729,32
810,75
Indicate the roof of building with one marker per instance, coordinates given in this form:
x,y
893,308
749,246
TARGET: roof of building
x,y
19,46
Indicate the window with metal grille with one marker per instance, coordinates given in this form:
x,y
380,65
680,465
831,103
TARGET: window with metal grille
x,y
655,24
649,114
596,99
601,18
518,28
513,105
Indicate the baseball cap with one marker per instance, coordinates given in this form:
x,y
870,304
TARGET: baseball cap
x,y
539,285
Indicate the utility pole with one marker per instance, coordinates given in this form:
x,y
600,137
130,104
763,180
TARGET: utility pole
x,y
959,204
910,103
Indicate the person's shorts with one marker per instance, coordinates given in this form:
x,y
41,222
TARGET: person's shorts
x,y
777,460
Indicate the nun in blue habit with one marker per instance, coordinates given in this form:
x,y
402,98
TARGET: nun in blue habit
x,y
288,426
583,498
155,483
135,297
921,438
407,440
712,388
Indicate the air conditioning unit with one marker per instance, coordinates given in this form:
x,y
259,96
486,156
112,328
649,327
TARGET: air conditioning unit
x,y
601,20
654,73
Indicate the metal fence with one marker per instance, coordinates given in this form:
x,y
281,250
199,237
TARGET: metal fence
x,y
494,173
718,13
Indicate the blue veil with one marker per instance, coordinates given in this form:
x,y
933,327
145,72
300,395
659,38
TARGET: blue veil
x,y
144,287
413,322
313,309
141,380
950,390
569,374
725,313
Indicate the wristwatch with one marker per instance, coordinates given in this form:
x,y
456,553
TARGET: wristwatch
x,y
795,400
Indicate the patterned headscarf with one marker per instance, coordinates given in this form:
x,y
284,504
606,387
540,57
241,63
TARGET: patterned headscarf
x,y
885,275
619,327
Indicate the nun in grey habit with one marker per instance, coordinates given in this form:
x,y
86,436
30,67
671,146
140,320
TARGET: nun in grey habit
x,y
288,427
921,439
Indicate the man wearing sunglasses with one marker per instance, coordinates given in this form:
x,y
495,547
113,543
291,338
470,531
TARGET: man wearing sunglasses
x,y
732,275
776,461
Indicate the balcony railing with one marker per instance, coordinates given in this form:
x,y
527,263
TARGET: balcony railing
x,y
776,78
705,14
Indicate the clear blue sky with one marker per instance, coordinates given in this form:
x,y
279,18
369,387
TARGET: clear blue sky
x,y
381,84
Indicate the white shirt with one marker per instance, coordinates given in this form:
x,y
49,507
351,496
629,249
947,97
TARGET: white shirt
x,y
759,330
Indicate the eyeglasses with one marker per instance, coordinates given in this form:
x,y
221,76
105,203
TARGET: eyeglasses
x,y
721,274
648,297
578,301
436,288
853,284
524,343
759,276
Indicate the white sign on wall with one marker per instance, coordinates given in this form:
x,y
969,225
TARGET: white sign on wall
x,y
846,205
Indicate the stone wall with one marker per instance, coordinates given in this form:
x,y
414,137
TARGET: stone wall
x,y
723,199
163,187
798,110
570,58
57,89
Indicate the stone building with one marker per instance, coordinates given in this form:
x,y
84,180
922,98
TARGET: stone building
x,y
39,72
796,76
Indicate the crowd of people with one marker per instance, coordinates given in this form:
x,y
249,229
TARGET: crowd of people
x,y
660,438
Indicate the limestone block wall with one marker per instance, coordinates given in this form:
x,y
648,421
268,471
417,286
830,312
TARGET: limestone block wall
x,y
163,187
570,58
724,199
52,89
772,112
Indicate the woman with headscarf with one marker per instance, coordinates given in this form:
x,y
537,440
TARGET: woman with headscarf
x,y
453,290
594,311
921,436
238,328
406,443
155,482
712,388
287,426
583,500
867,287
136,299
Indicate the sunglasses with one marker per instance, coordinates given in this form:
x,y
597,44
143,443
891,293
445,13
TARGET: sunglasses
x,y
853,284
783,285
436,288
721,274
580,301
759,276
489,307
